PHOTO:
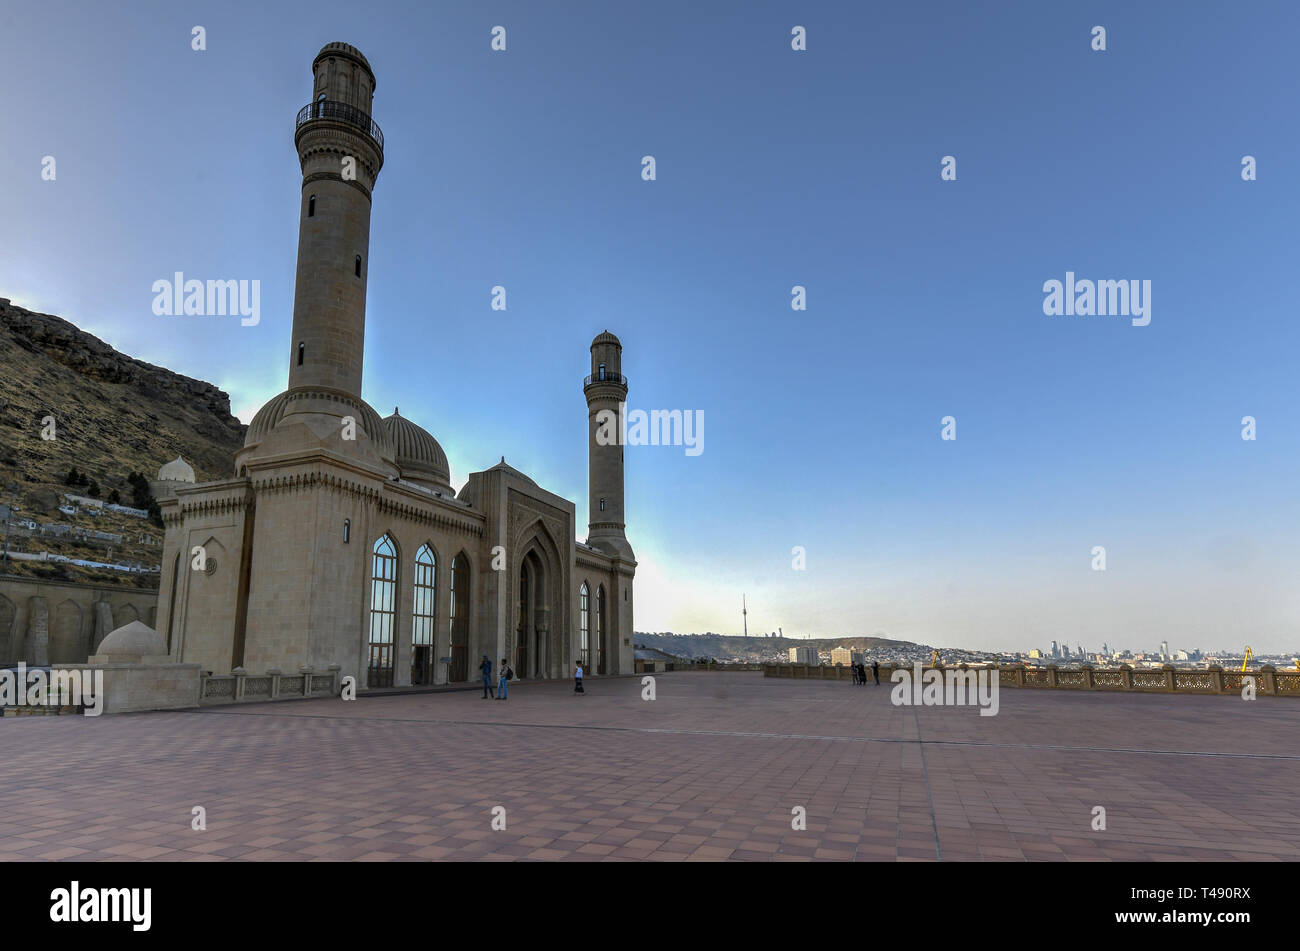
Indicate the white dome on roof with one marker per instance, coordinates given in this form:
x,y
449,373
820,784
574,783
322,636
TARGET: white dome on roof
x,y
178,470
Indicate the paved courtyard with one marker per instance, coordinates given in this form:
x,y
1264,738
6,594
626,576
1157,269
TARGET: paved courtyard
x,y
709,770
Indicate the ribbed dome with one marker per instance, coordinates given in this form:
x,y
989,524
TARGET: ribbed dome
x,y
178,470
343,49
276,408
607,337
416,452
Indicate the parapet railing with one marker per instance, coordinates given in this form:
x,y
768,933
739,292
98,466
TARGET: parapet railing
x,y
1269,681
240,686
341,112
606,377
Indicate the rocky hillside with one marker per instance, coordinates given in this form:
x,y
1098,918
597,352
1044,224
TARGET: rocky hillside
x,y
113,415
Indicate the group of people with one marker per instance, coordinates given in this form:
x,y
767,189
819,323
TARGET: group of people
x,y
505,673
860,672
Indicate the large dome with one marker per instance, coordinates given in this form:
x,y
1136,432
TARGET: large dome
x,y
276,408
417,453
606,337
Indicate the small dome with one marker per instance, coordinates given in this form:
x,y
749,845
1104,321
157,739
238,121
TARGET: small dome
x,y
178,470
606,337
131,642
343,49
417,453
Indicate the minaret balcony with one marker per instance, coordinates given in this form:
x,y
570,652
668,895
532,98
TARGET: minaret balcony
x,y
604,377
331,110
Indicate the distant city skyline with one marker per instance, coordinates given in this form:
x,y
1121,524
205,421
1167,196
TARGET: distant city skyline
x,y
825,491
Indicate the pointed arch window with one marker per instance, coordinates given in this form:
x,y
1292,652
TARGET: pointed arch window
x,y
302,350
383,612
357,268
311,207
423,615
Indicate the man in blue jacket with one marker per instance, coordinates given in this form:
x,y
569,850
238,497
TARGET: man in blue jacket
x,y
486,667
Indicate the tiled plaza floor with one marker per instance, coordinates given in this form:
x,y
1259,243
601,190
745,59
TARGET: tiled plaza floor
x,y
709,770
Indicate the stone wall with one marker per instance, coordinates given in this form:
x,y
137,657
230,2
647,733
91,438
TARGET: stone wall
x,y
61,622
1269,682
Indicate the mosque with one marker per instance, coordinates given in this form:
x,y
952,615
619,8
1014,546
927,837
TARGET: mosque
x,y
338,538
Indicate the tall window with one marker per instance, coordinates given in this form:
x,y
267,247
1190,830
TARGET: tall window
x,y
584,644
423,612
600,629
302,348
357,267
311,207
459,614
383,613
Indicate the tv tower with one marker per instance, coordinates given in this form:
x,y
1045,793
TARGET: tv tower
x,y
744,613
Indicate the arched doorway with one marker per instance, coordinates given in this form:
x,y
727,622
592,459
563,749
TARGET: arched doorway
x,y
531,653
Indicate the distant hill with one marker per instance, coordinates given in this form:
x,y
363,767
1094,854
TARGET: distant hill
x,y
731,645
113,415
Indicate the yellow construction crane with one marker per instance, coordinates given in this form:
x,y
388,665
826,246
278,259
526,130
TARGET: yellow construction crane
x,y
1250,655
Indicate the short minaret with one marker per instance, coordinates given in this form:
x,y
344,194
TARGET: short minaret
x,y
341,150
606,390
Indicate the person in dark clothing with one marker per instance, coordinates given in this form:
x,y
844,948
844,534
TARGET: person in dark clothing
x,y
486,667
854,668
875,671
862,674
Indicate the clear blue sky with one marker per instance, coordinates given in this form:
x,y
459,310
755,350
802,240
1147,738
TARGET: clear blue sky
x,y
775,168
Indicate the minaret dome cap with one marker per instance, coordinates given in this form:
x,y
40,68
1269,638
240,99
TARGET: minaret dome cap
x,y
348,51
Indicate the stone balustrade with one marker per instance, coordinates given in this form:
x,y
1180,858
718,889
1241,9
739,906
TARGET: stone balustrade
x,y
1269,682
239,686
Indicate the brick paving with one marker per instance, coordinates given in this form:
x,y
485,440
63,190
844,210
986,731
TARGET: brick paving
x,y
708,771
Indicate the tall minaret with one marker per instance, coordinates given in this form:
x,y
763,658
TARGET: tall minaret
x,y
341,150
606,390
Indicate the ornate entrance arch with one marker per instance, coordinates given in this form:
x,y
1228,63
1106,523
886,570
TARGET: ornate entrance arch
x,y
539,628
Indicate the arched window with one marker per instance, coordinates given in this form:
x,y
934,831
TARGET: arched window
x,y
347,530
600,630
302,349
601,375
458,613
423,613
584,625
357,269
311,207
383,612
602,505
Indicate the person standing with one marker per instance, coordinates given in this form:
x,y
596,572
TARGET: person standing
x,y
505,673
854,666
577,679
486,667
875,671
